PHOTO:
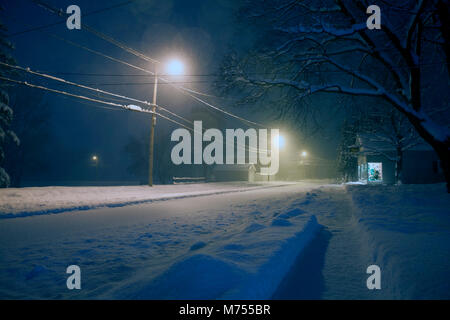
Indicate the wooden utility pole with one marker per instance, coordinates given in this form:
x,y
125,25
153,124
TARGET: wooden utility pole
x,y
152,133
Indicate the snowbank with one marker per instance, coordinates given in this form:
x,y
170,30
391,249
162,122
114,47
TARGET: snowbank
x,y
21,202
406,231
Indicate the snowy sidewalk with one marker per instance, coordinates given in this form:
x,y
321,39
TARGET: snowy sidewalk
x,y
405,230
334,265
22,202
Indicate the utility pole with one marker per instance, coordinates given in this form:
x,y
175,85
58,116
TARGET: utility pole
x,y
152,132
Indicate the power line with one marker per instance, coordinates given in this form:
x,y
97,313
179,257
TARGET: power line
x,y
121,106
84,98
99,34
63,21
112,104
188,92
181,89
140,83
122,97
72,94
87,74
28,70
119,44
111,40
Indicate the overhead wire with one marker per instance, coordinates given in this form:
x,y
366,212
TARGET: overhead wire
x,y
25,83
186,91
63,21
132,51
96,90
89,99
68,94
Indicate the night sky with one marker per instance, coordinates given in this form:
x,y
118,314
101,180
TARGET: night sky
x,y
198,32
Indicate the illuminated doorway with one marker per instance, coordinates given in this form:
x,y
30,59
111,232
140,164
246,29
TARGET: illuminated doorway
x,y
375,171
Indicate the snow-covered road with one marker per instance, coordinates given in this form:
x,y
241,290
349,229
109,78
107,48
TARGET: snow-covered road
x,y
298,241
219,241
24,202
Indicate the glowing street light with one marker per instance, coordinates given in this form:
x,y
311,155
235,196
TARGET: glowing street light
x,y
304,154
175,67
94,158
281,141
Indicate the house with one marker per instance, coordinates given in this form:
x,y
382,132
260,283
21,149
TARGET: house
x,y
376,163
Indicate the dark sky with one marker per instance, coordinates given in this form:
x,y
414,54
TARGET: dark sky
x,y
198,32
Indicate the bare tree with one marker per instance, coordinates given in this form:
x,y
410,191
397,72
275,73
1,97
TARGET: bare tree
x,y
328,49
388,133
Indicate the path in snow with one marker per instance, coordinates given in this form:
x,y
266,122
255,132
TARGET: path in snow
x,y
334,266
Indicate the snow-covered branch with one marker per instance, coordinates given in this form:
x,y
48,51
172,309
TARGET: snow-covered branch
x,y
323,28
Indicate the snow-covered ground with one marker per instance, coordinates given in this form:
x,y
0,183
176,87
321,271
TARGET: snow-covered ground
x,y
297,241
235,245
19,202
406,231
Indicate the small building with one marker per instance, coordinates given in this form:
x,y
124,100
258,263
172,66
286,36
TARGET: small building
x,y
233,172
376,163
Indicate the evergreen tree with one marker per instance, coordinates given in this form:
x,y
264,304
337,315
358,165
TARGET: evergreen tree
x,y
6,113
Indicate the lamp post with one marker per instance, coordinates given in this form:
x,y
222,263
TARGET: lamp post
x,y
174,67
152,132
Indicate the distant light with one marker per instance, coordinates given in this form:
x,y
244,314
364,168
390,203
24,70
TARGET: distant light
x,y
94,158
281,142
304,153
175,68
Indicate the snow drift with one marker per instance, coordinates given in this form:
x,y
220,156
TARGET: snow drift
x,y
406,231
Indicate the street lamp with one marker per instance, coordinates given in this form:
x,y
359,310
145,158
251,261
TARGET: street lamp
x,y
174,67
281,142
304,154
